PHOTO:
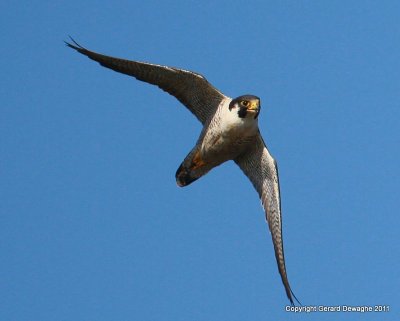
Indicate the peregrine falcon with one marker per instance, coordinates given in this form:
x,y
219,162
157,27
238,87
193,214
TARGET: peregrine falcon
x,y
230,132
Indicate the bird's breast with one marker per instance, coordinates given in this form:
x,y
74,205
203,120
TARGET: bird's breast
x,y
228,135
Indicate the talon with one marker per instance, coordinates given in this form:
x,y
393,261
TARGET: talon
x,y
197,161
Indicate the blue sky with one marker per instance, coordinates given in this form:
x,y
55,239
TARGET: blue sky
x,y
93,226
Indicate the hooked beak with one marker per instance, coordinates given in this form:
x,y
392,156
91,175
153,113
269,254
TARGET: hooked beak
x,y
254,106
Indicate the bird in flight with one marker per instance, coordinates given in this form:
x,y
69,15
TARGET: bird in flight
x,y
230,132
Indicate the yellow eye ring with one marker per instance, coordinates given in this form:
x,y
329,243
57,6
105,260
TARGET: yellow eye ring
x,y
245,103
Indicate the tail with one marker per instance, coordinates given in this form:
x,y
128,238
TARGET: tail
x,y
191,169
183,176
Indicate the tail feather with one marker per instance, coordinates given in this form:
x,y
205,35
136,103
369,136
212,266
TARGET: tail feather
x,y
184,176
191,169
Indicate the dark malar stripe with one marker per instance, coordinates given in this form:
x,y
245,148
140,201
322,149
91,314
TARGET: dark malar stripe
x,y
242,112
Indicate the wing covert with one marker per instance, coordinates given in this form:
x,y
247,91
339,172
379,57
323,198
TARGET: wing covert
x,y
190,88
261,168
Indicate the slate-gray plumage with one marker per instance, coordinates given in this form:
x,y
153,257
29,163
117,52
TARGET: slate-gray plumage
x,y
230,132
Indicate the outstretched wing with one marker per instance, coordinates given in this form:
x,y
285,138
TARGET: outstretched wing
x,y
191,89
261,168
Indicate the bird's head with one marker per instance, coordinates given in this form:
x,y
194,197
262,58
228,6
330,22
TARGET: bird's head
x,y
246,106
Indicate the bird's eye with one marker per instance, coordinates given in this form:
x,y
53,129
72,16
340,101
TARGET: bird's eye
x,y
245,103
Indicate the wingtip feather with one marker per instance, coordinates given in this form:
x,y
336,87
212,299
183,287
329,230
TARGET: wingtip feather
x,y
291,296
74,44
